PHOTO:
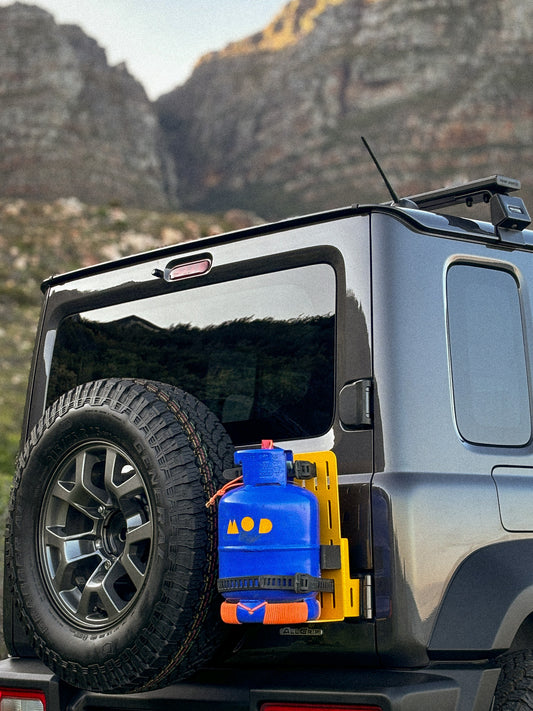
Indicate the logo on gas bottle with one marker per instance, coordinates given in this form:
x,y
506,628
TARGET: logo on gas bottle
x,y
247,524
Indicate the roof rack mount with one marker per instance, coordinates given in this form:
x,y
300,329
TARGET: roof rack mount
x,y
473,192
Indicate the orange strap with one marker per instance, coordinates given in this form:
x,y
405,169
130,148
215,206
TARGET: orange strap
x,y
276,613
228,613
286,613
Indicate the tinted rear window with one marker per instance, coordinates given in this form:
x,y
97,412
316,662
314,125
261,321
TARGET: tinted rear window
x,y
259,352
488,356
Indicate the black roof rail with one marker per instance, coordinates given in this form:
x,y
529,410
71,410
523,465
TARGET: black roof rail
x,y
475,191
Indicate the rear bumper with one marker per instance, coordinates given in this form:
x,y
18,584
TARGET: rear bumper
x,y
441,688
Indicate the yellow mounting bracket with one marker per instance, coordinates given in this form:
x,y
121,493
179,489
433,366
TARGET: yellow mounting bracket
x,y
346,600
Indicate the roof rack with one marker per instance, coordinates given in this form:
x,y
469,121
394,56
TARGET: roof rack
x,y
475,191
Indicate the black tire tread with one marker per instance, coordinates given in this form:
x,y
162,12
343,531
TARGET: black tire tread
x,y
515,685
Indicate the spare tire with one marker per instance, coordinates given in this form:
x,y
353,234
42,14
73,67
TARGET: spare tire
x,y
111,551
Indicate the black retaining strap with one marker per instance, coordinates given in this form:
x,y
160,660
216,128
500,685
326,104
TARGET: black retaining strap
x,y
298,583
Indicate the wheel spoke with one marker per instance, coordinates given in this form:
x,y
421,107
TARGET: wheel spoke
x,y
140,533
110,462
69,543
122,480
74,563
131,486
109,602
85,461
71,497
96,597
135,575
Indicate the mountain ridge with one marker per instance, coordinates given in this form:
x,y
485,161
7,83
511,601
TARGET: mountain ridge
x,y
279,131
292,23
272,123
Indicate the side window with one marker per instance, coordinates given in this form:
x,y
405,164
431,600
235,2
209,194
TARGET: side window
x,y
258,351
488,356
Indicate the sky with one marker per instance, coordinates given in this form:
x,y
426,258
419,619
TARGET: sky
x,y
161,40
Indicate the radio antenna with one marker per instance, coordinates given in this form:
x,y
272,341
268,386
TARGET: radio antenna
x,y
381,172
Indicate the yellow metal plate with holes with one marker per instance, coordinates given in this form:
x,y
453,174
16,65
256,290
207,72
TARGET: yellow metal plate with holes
x,y
345,601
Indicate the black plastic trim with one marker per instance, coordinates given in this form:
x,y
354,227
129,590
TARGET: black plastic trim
x,y
444,688
445,225
487,601
201,245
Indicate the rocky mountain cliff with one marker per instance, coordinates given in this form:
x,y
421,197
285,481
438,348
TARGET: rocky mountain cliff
x,y
69,123
441,88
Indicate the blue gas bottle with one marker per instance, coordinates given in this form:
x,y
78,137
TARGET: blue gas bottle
x,y
269,546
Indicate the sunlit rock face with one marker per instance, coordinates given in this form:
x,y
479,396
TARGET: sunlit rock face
x,y
442,90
